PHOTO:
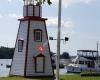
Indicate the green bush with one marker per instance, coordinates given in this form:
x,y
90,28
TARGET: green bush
x,y
60,66
90,74
6,53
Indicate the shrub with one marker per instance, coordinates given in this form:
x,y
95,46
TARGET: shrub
x,y
90,74
60,66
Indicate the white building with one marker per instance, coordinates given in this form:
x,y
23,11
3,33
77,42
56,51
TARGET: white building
x,y
32,56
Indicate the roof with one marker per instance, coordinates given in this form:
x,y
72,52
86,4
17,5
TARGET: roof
x,y
84,58
40,55
86,50
32,18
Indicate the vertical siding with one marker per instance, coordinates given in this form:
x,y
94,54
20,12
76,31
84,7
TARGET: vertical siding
x,y
33,51
19,57
30,10
40,11
36,10
39,64
24,10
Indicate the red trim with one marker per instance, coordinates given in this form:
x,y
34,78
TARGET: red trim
x,y
15,47
49,49
33,10
26,10
40,55
32,18
39,10
27,47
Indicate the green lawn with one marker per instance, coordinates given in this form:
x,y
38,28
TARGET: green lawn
x,y
20,78
78,77
12,78
64,77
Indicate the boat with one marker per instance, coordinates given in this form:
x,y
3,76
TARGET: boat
x,y
2,66
85,61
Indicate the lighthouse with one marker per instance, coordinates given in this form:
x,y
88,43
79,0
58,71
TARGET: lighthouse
x,y
32,57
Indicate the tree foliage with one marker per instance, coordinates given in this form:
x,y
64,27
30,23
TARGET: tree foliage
x,y
6,53
65,55
40,2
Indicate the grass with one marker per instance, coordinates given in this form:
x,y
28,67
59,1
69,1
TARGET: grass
x,y
12,78
20,78
64,77
90,74
78,77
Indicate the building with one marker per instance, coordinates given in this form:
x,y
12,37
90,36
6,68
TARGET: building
x,y
32,57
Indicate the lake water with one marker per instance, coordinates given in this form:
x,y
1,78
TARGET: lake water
x,y
4,72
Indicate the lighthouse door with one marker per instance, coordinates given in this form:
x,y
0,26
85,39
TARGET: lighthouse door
x,y
40,64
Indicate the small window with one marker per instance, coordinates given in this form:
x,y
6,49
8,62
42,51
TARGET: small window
x,y
38,35
20,45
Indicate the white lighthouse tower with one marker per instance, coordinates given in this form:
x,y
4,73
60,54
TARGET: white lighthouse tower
x,y
32,56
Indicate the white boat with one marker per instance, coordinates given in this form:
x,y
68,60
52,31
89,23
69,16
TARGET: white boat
x,y
5,63
86,61
2,66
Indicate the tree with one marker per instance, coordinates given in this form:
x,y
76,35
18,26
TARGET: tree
x,y
40,2
65,55
6,53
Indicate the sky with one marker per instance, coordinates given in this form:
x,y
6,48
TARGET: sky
x,y
80,22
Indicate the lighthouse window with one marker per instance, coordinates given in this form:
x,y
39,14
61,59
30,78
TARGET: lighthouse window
x,y
38,35
20,45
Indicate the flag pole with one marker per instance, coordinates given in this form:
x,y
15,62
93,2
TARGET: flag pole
x,y
58,40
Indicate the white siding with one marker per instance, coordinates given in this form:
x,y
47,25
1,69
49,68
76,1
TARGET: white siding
x,y
33,51
36,10
19,57
24,10
40,11
30,10
39,63
18,63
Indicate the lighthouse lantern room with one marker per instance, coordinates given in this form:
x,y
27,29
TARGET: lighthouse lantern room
x,y
32,57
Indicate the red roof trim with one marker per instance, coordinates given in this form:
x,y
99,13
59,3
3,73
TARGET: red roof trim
x,y
26,53
40,55
32,18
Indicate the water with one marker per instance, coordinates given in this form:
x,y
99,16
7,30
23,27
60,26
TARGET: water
x,y
4,71
63,71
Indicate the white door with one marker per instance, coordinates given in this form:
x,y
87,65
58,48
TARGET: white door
x,y
40,64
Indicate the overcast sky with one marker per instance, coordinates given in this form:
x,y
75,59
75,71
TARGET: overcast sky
x,y
80,22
